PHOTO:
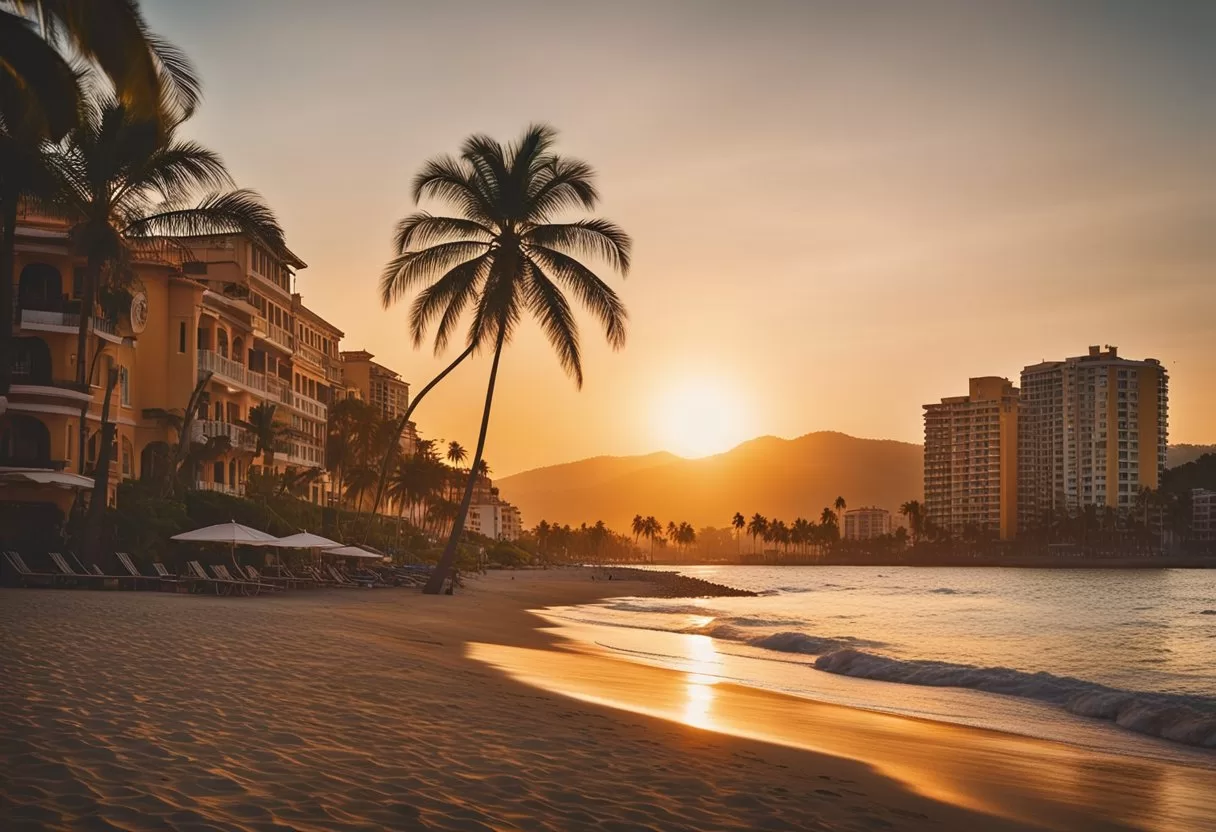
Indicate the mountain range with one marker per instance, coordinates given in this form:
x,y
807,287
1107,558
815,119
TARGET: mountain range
x,y
785,478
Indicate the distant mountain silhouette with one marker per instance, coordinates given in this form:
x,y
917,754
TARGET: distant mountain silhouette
x,y
785,478
1177,455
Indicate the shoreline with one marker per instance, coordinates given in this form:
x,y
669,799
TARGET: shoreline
x,y
340,710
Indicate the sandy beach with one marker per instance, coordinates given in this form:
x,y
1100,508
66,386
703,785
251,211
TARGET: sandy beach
x,y
385,709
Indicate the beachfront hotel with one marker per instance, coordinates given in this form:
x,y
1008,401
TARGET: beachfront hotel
x,y
377,385
971,461
1092,432
220,305
498,520
866,523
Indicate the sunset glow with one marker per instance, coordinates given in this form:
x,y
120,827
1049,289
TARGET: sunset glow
x,y
699,417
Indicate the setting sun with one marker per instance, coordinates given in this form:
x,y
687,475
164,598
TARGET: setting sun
x,y
698,417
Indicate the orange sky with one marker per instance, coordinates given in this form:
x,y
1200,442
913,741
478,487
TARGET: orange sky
x,y
841,211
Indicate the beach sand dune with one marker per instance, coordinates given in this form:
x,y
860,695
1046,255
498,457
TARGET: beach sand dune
x,y
336,710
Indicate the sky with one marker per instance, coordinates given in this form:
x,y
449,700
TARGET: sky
x,y
840,211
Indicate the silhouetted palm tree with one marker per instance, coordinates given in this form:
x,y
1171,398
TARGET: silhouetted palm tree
x,y
502,257
267,432
738,522
120,179
840,507
916,519
756,527
638,527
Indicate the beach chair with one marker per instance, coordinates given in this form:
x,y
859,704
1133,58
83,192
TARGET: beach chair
x,y
243,587
27,576
73,577
137,577
102,578
221,572
199,581
277,581
307,581
343,580
322,580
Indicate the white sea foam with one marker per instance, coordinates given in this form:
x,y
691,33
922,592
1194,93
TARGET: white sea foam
x,y
1184,719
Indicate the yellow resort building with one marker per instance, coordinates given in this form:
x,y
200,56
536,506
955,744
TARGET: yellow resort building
x,y
219,308
377,385
971,460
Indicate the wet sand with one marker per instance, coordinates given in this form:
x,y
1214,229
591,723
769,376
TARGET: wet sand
x,y
384,709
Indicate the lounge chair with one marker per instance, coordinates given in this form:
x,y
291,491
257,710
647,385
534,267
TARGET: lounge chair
x,y
279,582
221,572
200,581
158,581
94,571
308,581
27,576
322,580
71,575
343,578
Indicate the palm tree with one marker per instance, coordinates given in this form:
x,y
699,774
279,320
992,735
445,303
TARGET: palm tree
x,y
738,522
120,179
456,453
267,432
916,519
639,527
180,421
756,528
840,507
501,258
40,99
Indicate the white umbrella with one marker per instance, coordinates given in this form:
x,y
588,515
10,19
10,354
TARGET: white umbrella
x,y
230,533
353,552
305,540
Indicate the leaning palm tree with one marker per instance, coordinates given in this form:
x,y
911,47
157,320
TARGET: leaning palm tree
x,y
267,432
638,527
739,522
503,256
120,179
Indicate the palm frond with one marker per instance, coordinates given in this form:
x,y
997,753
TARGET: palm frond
x,y
241,211
181,85
562,184
181,168
552,311
595,238
39,90
406,270
424,229
596,295
444,178
452,293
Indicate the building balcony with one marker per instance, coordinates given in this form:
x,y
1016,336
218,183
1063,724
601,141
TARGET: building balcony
x,y
202,430
234,372
305,456
66,320
26,383
222,487
309,407
310,355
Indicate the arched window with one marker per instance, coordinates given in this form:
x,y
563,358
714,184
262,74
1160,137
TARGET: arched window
x,y
24,442
41,287
238,349
221,342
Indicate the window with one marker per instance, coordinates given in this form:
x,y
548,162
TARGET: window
x,y
181,337
69,439
124,387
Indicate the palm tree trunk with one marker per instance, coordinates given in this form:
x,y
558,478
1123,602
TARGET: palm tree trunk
x,y
8,255
409,411
90,536
434,585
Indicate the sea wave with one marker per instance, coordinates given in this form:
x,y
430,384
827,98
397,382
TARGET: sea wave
x,y
782,642
1183,719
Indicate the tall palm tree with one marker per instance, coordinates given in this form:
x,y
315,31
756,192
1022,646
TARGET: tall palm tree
x,y
456,453
180,421
653,529
40,98
841,505
639,527
738,522
267,431
503,256
913,510
756,528
121,179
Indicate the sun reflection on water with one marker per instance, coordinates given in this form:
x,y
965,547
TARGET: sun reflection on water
x,y
699,681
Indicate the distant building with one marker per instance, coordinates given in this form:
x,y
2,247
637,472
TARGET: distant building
x,y
971,461
1203,515
376,384
1092,431
866,523
500,520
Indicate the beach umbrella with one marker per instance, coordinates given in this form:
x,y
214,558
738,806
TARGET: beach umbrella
x,y
305,540
353,552
233,534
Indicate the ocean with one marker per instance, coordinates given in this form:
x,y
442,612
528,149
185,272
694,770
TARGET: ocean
x,y
1122,661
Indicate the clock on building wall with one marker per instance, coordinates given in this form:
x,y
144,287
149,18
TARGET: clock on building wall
x,y
139,312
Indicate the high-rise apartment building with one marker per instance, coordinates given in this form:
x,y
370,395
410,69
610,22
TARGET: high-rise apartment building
x,y
1092,431
866,523
971,461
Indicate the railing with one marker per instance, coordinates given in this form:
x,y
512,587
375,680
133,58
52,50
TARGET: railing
x,y
226,368
307,456
11,461
47,317
34,380
279,390
333,371
309,407
222,487
310,354
280,336
203,429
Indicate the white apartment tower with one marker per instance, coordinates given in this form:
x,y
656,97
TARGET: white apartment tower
x,y
1092,431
